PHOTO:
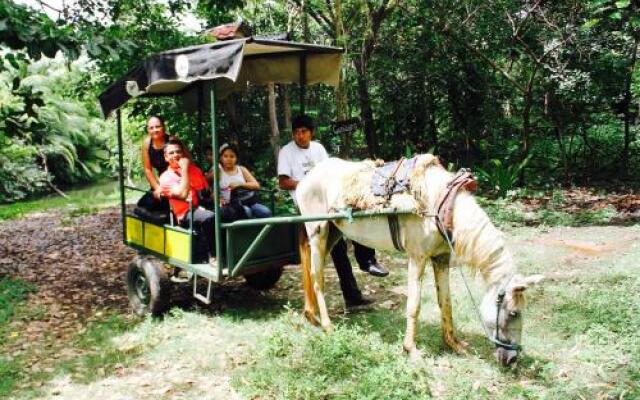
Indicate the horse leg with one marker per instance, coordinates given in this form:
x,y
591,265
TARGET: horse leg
x,y
318,256
310,302
414,288
441,273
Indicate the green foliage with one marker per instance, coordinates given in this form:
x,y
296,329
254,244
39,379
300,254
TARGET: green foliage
x,y
559,86
48,134
19,176
23,29
500,177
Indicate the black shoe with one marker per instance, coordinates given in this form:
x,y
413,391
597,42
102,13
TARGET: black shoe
x,y
375,268
359,301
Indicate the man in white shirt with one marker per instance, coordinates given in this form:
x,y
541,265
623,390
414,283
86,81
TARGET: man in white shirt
x,y
295,160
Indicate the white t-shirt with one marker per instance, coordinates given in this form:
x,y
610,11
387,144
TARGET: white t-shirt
x,y
227,179
296,162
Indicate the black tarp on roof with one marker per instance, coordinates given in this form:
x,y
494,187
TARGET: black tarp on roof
x,y
240,61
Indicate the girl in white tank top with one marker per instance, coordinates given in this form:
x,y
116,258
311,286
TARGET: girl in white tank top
x,y
232,175
229,180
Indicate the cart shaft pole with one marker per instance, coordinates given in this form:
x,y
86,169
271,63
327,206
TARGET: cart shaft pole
x,y
318,217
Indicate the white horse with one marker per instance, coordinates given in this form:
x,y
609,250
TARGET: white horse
x,y
476,242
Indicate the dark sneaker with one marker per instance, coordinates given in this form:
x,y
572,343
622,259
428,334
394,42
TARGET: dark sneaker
x,y
375,268
360,301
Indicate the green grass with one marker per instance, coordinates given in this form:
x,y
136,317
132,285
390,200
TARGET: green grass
x,y
509,212
353,362
99,353
13,293
79,202
581,339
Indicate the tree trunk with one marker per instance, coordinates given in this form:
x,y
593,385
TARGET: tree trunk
x,y
274,136
236,126
366,111
342,107
432,124
628,136
305,21
286,106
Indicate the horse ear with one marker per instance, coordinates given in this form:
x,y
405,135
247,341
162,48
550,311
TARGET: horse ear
x,y
523,282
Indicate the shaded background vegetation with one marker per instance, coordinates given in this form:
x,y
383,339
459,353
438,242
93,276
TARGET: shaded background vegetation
x,y
525,92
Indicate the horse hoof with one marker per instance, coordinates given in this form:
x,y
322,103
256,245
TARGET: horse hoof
x,y
311,317
416,356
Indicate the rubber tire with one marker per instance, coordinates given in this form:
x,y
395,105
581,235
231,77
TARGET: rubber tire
x,y
266,279
155,297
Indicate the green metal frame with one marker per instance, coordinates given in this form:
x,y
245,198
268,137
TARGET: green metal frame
x,y
242,265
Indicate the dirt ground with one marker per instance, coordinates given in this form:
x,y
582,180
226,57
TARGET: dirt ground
x,y
79,264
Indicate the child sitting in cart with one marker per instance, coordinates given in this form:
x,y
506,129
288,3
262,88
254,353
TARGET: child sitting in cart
x,y
181,181
238,186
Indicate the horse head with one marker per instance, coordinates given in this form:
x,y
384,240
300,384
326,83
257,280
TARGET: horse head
x,y
502,314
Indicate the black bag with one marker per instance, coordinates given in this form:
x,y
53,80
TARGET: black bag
x,y
205,198
151,209
245,197
152,204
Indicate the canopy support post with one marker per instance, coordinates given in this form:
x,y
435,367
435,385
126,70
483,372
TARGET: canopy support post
x,y
216,185
123,209
303,82
201,153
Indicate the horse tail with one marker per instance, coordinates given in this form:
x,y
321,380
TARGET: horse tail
x,y
310,301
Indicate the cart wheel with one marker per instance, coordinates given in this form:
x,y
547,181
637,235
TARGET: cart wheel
x,y
148,287
264,279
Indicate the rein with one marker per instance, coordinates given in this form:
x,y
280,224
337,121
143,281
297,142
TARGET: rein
x,y
501,294
444,222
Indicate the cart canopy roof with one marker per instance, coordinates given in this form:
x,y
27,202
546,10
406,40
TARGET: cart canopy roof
x,y
241,61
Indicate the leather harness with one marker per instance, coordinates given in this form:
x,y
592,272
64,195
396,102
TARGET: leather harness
x,y
465,180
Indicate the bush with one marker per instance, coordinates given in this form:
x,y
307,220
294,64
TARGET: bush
x,y
20,176
500,177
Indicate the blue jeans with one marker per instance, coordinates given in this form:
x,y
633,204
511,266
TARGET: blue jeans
x,y
257,211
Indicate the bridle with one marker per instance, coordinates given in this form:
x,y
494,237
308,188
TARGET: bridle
x,y
462,178
495,339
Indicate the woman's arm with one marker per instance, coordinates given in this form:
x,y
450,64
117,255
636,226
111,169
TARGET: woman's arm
x,y
146,165
251,182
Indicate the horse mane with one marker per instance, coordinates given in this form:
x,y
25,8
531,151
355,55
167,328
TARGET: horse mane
x,y
477,242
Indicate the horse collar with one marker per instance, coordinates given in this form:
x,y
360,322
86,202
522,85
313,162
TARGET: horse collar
x,y
464,180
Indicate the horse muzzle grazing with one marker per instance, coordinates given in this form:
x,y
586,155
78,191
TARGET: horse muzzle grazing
x,y
504,356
